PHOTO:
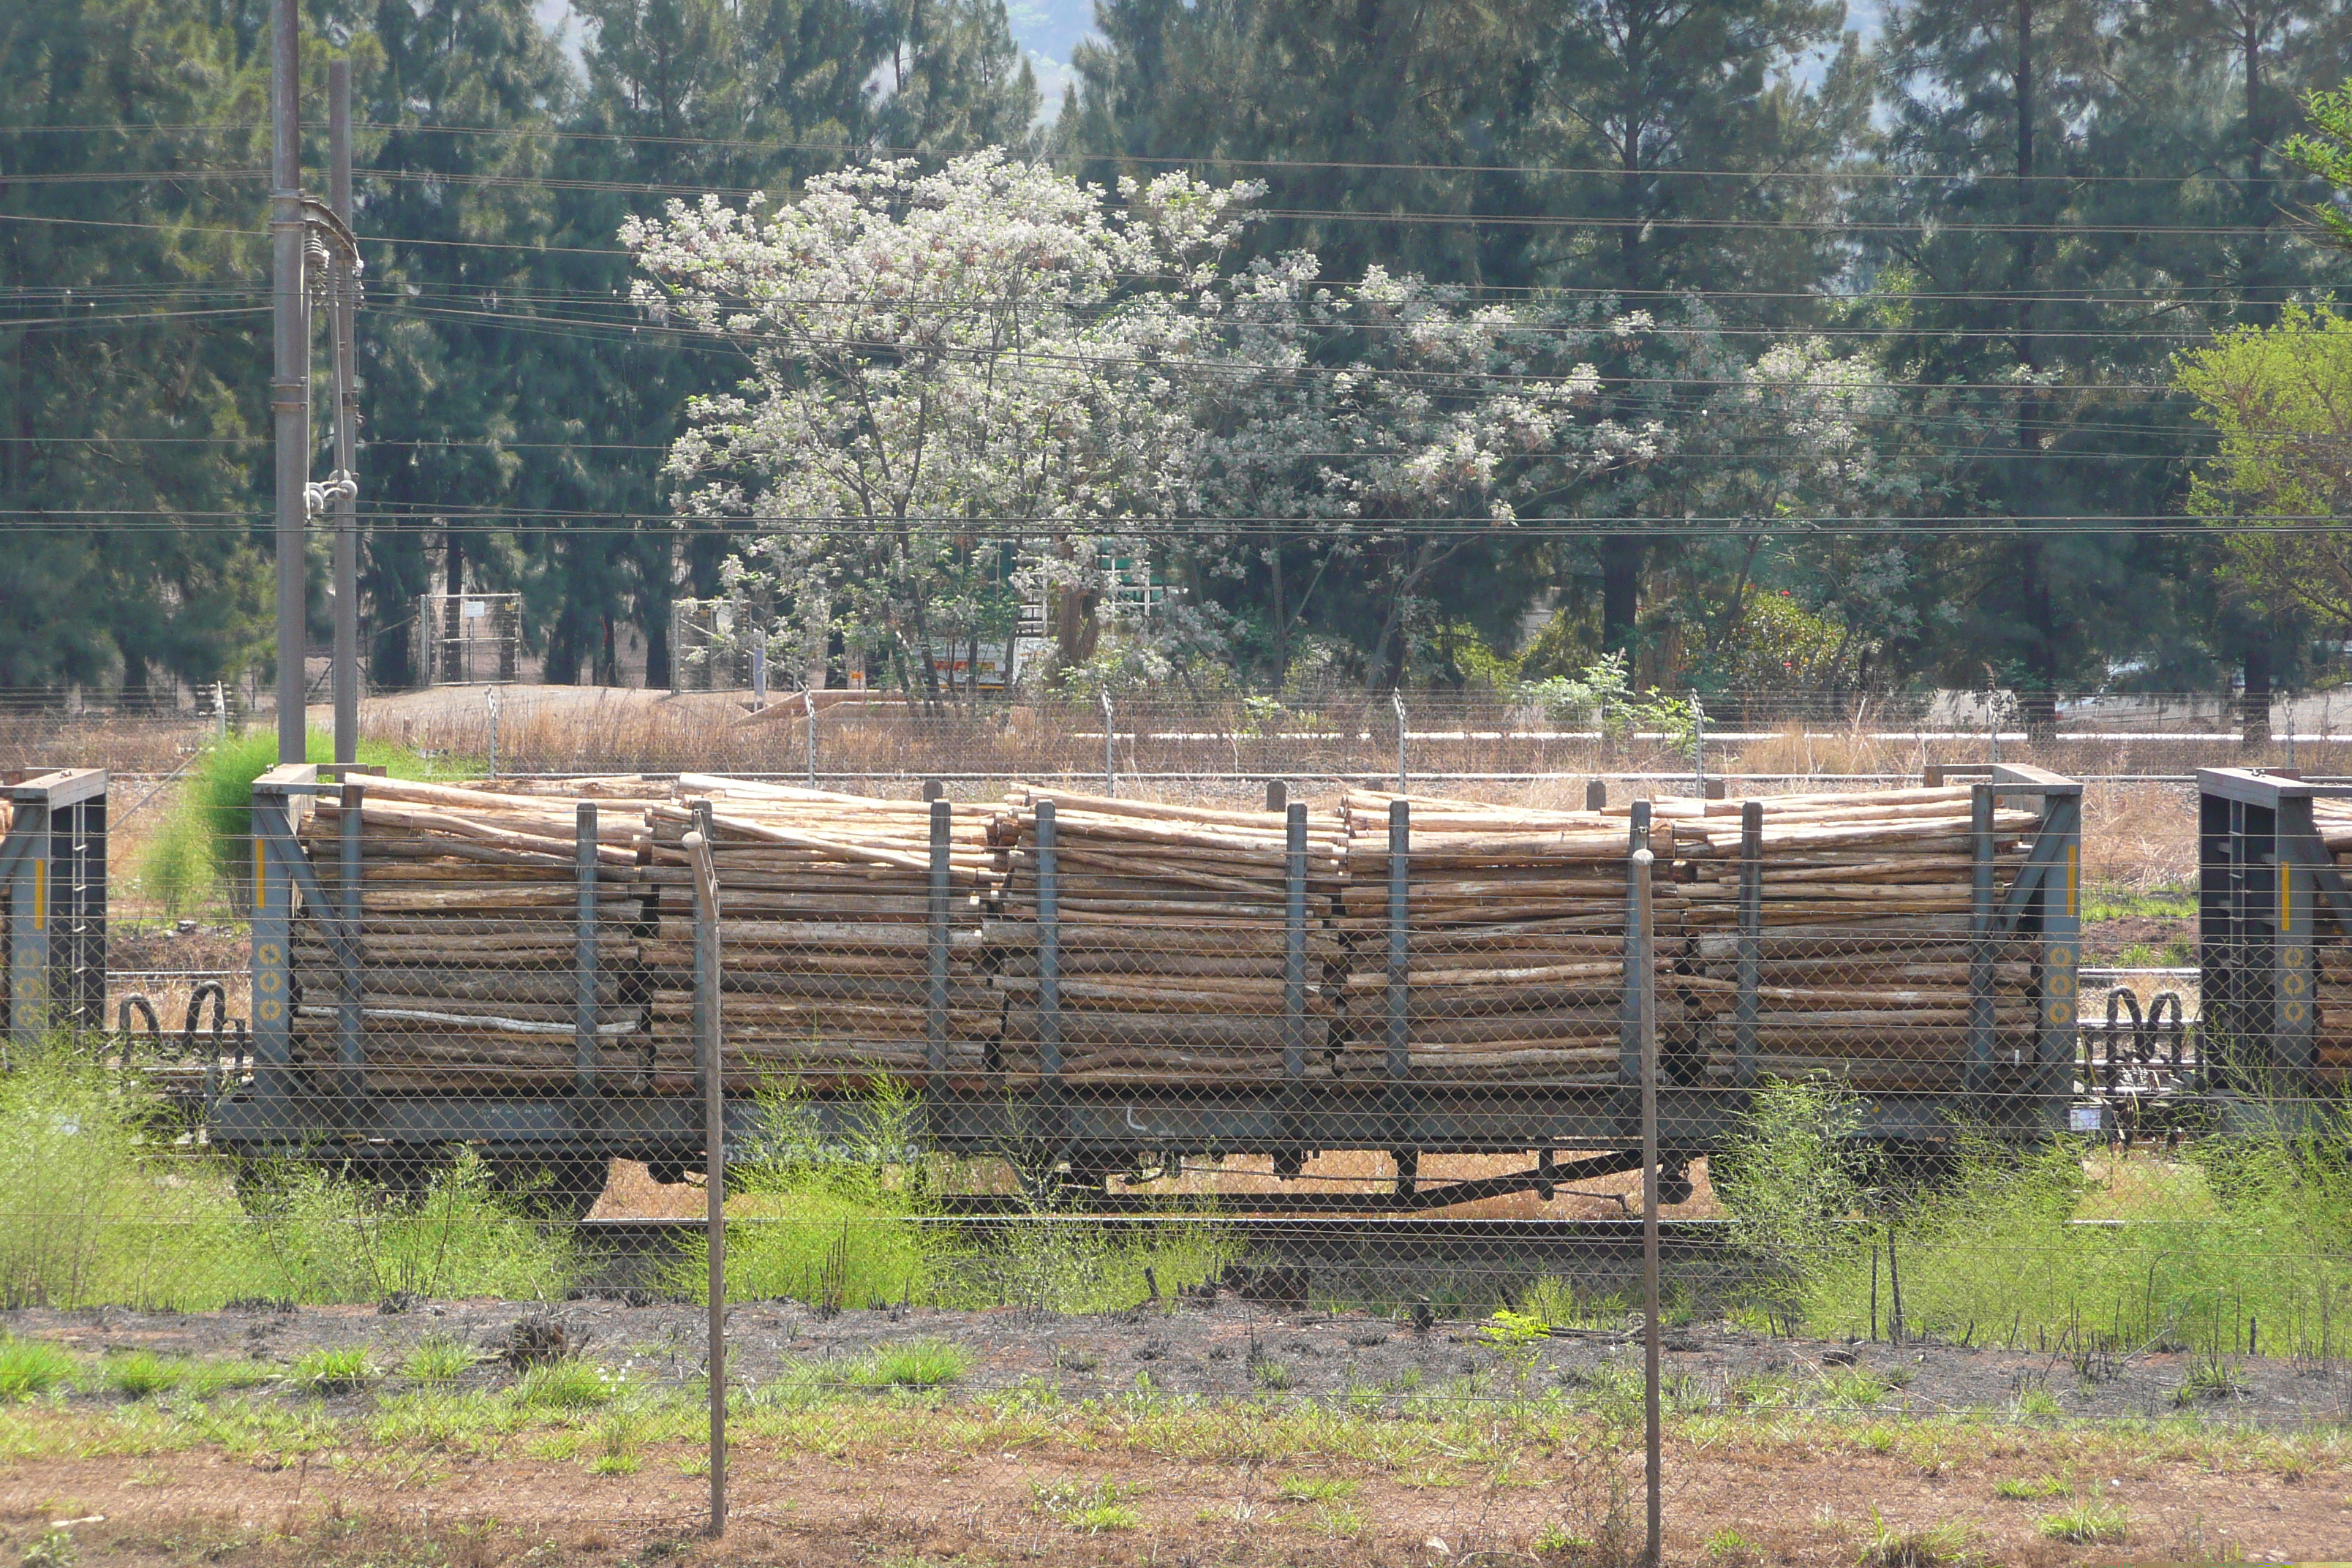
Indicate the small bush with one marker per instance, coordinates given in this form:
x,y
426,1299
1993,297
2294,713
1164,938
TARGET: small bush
x,y
2019,1489
2094,1521
1091,1509
334,1370
920,1363
439,1360
28,1367
142,1374
568,1384
1313,1489
1272,1375
1934,1546
329,1240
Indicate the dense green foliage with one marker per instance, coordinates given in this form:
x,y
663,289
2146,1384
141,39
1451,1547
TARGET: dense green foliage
x,y
2009,214
105,1208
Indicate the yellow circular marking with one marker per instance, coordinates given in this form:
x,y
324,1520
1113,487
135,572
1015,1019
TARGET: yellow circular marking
x,y
2061,984
268,1009
270,954
2296,957
2061,1012
2059,953
2294,984
2293,1012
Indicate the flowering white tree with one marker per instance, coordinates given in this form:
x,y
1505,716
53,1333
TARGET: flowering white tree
x,y
940,364
1389,424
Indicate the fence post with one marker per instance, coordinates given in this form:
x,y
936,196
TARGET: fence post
x,y
935,998
29,925
1980,939
586,1054
1646,994
808,715
491,699
714,1136
1596,795
1277,796
1397,698
1698,750
1294,973
1752,930
759,670
1110,748
350,1040
1629,1038
1398,1041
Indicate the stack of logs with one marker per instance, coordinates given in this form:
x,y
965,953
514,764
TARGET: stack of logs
x,y
1863,960
468,914
824,904
1171,938
1172,931
1516,944
2332,952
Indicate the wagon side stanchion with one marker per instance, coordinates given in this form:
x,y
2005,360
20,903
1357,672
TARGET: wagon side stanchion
x,y
587,983
351,1050
1978,1077
1751,950
1294,977
1052,1103
1397,1053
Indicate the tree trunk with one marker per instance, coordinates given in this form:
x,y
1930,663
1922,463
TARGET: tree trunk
x,y
1620,586
2254,706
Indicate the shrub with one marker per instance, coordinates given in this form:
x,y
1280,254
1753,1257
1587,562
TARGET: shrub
x,y
98,1211
342,1371
28,1366
568,1384
330,1239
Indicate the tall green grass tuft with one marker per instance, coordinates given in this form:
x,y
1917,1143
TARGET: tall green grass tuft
x,y
95,1212
207,837
829,1221
2260,1259
321,1238
99,1206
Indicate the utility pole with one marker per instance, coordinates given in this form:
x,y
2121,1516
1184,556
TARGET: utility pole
x,y
347,416
289,386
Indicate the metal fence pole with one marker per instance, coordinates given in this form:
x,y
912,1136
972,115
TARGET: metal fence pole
x,y
1645,990
1751,932
1698,750
490,697
347,398
1397,698
1049,970
714,1135
1110,749
808,714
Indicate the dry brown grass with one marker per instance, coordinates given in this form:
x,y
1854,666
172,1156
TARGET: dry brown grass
x,y
2139,837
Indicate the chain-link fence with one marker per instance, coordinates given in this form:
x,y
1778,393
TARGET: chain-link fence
x,y
1349,1105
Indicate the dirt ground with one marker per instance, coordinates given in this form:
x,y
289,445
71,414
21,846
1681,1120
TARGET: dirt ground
x,y
1219,1350
1814,1484
1812,1508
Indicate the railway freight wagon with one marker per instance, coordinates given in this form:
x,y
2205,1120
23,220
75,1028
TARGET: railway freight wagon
x,y
52,904
1099,986
2274,937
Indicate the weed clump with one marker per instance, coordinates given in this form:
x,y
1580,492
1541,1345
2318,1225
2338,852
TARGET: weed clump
x,y
29,1367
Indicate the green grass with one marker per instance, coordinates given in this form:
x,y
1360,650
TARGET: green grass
x,y
919,1363
1090,1509
2257,1227
1313,1489
1276,1376
2090,1522
28,1367
105,1210
437,1359
2111,903
2039,1403
142,1374
1727,1545
568,1384
1930,1546
207,839
2019,1489
344,1371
